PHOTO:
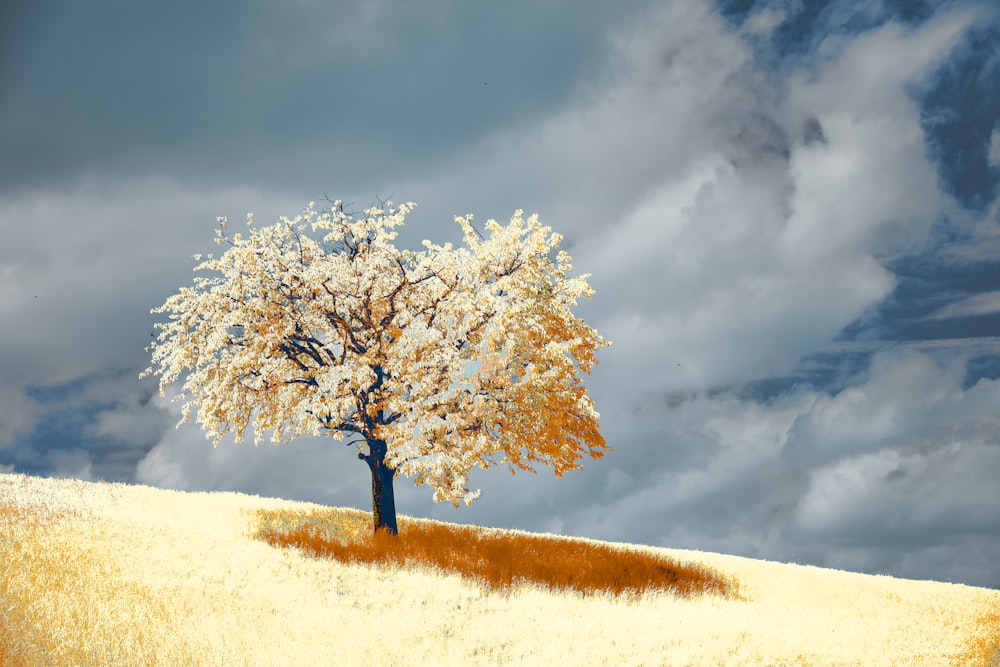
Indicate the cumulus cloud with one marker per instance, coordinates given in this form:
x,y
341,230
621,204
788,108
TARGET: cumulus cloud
x,y
18,414
73,462
866,74
76,262
919,470
722,215
984,303
993,150
912,397
868,478
763,22
82,268
132,418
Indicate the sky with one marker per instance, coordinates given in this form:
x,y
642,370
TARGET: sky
x,y
790,211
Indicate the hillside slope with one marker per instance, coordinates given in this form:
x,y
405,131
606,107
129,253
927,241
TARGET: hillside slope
x,y
114,574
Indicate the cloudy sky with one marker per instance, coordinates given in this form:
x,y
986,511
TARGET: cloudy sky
x,y
789,210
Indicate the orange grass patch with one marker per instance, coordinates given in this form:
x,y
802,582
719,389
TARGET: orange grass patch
x,y
500,561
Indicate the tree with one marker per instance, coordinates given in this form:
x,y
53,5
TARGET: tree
x,y
434,361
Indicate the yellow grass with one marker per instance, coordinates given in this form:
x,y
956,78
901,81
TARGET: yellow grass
x,y
111,574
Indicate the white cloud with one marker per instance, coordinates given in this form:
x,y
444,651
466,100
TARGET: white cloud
x,y
869,478
718,239
642,120
868,190
993,151
17,414
763,22
906,397
983,237
893,492
130,419
72,462
985,303
866,75
82,268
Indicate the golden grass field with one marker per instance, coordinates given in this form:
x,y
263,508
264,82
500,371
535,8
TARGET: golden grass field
x,y
114,574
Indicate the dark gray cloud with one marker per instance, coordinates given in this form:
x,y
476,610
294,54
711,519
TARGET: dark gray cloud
x,y
208,93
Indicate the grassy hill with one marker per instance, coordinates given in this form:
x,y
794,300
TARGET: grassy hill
x,y
114,574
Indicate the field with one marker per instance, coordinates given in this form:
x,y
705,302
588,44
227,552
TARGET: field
x,y
114,574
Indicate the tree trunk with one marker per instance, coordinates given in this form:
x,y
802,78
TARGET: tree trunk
x,y
383,500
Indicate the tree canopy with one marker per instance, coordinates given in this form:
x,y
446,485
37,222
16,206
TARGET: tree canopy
x,y
431,362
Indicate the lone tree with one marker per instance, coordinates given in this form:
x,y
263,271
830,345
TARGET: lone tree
x,y
432,361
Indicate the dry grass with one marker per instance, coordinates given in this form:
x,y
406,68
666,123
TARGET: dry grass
x,y
20,635
110,574
13,627
984,645
499,560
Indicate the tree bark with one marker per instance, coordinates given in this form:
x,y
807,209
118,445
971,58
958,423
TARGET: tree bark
x,y
383,500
